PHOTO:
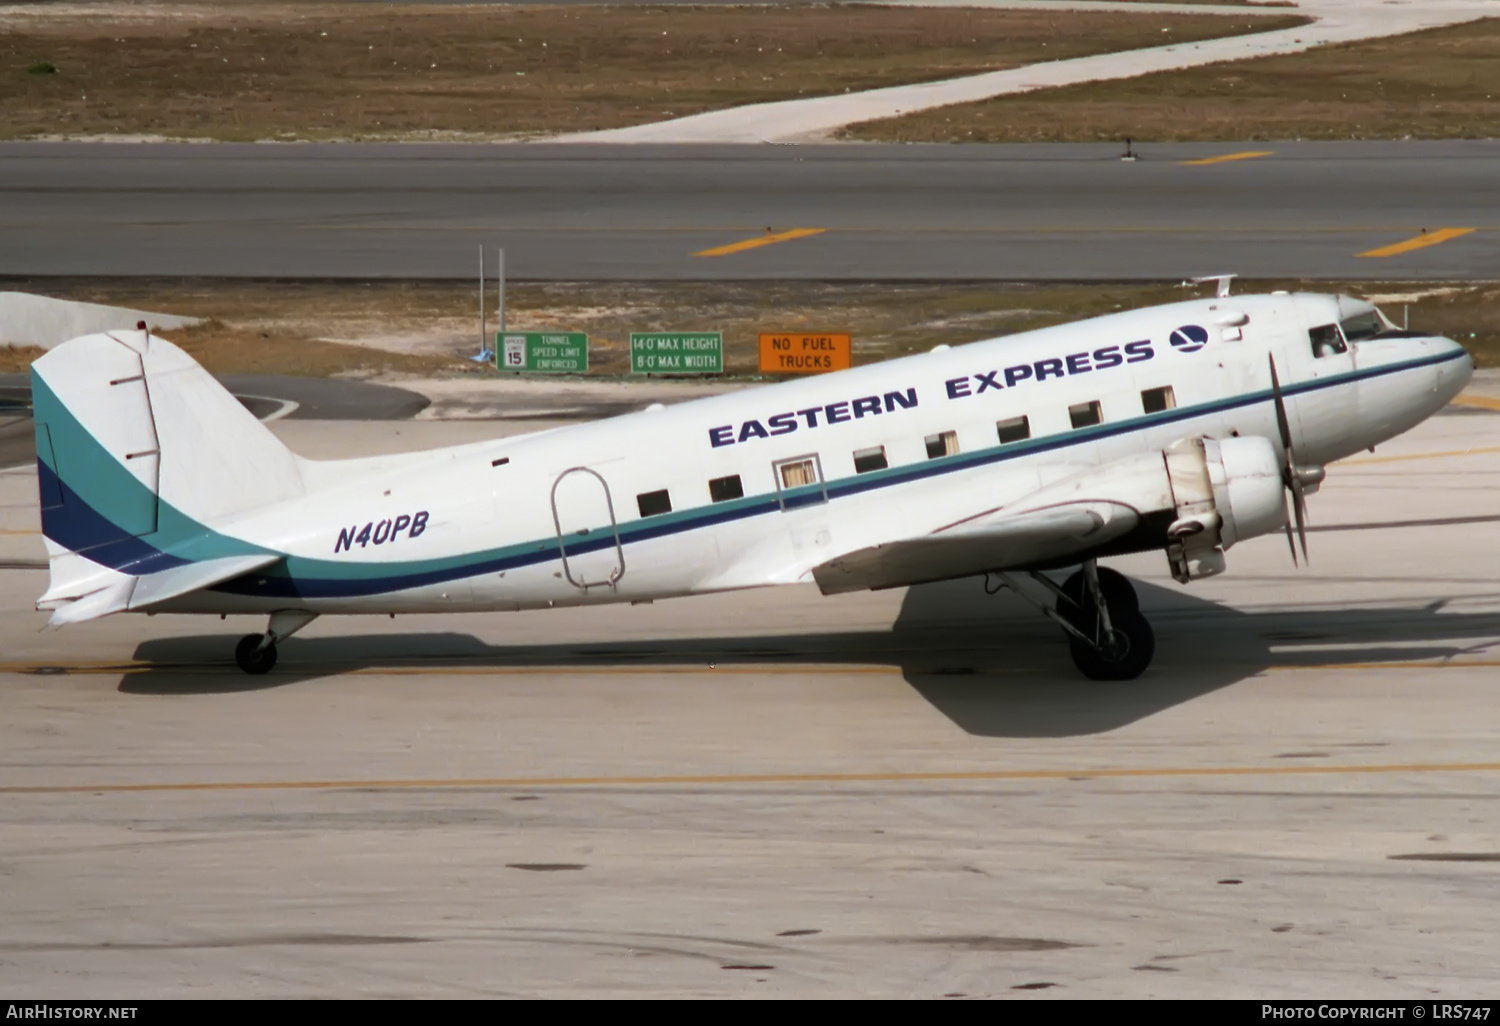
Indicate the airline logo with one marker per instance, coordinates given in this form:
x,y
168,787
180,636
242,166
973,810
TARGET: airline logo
x,y
1189,338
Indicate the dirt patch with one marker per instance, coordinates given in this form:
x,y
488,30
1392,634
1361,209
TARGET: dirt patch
x,y
285,327
416,71
1439,84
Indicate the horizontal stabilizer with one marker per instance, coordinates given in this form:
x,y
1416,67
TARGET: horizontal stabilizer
x,y
996,542
140,592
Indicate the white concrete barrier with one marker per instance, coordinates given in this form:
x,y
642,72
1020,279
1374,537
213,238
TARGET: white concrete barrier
x,y
30,320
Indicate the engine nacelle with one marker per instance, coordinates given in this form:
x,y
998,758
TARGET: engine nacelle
x,y
1225,490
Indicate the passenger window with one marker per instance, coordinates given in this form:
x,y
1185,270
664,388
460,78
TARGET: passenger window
x,y
1154,400
798,472
654,503
945,444
795,473
866,460
1017,429
722,489
1326,341
1085,414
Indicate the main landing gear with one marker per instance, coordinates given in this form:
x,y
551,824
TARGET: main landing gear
x,y
1097,609
256,653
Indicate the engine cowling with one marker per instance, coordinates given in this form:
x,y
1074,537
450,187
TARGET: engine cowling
x,y
1225,490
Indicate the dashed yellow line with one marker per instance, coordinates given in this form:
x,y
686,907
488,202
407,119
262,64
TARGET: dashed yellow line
x,y
1419,242
770,238
1227,157
733,779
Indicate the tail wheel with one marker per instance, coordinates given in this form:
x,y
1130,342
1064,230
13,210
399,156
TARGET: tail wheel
x,y
251,657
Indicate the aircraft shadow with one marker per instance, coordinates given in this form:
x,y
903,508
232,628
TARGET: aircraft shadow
x,y
990,664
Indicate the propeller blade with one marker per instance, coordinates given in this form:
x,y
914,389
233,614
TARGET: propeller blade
x,y
1289,471
1284,428
1299,508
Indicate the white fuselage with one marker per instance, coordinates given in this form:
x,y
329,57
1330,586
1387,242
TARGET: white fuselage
x,y
576,515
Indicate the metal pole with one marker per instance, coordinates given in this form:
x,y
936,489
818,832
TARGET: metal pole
x,y
500,285
481,297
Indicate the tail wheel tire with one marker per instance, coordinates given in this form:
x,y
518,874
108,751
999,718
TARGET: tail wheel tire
x,y
251,657
1124,655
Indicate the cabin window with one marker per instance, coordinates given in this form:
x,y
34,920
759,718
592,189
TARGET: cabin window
x,y
1154,400
722,489
945,444
866,460
1017,429
1085,414
654,503
1326,341
798,472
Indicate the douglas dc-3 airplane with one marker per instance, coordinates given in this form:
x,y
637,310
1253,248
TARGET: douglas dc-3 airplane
x,y
1179,428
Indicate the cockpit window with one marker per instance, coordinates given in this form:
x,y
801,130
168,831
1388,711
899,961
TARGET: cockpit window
x,y
1326,341
1361,326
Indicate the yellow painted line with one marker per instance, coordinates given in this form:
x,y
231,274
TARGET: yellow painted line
x,y
1420,242
43,669
977,776
1415,664
764,240
1484,402
1227,157
1363,460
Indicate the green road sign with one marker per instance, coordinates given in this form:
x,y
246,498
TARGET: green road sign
x,y
543,352
676,352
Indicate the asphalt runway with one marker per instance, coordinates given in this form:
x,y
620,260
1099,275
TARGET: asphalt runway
x,y
874,212
908,793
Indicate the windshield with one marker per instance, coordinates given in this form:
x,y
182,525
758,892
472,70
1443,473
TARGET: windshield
x,y
1362,326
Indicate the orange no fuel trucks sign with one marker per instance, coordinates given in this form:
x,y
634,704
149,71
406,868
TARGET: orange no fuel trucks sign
x,y
789,353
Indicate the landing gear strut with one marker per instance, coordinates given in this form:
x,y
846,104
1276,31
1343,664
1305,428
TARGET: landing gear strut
x,y
256,653
1097,609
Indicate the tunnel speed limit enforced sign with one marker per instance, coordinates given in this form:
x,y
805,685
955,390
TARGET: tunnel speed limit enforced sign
x,y
797,353
676,352
543,352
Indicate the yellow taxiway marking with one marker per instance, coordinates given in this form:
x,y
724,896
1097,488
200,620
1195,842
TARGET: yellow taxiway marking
x,y
1474,451
42,669
1420,242
45,669
763,240
1484,402
1227,157
961,776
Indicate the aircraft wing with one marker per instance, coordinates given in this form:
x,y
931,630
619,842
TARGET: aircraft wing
x,y
995,541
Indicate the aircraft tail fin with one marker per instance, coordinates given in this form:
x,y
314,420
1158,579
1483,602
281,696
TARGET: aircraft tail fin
x,y
141,457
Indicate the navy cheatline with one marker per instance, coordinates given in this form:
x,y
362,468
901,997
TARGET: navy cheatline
x,y
1189,338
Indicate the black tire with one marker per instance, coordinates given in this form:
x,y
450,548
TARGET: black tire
x,y
1119,594
251,657
1124,656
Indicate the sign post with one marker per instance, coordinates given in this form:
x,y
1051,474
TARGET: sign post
x,y
543,352
676,352
802,353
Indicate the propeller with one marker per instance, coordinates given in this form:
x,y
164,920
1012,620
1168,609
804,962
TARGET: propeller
x,y
1296,478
